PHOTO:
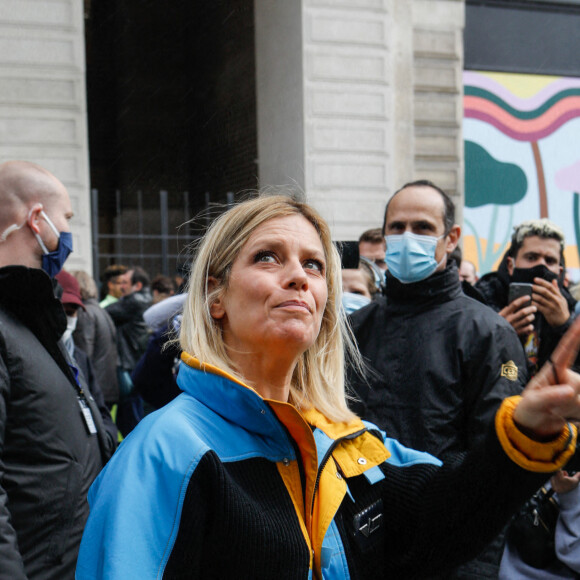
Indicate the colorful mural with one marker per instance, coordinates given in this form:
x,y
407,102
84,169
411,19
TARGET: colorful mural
x,y
522,161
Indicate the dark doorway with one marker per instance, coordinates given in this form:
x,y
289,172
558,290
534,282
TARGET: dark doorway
x,y
171,108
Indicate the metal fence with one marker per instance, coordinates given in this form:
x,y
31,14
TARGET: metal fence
x,y
155,237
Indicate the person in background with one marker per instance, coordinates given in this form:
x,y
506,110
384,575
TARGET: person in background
x,y
162,287
53,441
115,284
440,362
259,470
566,564
371,245
69,293
535,257
155,376
96,335
127,314
358,286
467,272
132,338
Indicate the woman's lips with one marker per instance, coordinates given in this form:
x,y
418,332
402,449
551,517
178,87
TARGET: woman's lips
x,y
295,304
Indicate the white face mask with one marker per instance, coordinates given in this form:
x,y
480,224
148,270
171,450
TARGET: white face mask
x,y
71,324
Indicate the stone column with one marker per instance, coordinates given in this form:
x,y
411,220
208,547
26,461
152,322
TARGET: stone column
x,y
438,94
43,101
357,97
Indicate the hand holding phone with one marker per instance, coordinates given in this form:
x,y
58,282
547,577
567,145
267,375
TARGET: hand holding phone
x,y
519,289
520,315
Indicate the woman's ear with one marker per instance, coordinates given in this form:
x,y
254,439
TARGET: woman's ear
x,y
216,308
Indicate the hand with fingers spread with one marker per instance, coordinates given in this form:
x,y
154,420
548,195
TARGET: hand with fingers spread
x,y
520,314
552,397
550,302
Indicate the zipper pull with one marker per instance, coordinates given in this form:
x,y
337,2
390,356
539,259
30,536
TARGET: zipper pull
x,y
536,517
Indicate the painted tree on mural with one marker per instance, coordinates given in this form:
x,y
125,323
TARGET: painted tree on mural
x,y
531,122
489,181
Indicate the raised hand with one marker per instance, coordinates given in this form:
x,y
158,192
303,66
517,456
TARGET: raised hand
x,y
552,397
520,316
550,302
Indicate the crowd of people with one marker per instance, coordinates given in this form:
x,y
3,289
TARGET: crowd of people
x,y
281,415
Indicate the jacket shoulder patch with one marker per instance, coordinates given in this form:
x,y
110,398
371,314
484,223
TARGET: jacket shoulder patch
x,y
509,370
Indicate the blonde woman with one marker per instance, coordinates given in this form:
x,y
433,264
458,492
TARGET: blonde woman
x,y
260,470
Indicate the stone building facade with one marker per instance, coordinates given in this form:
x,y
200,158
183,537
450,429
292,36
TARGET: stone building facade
x,y
43,100
353,98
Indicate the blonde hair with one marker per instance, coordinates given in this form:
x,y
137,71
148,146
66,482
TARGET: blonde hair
x,y
319,377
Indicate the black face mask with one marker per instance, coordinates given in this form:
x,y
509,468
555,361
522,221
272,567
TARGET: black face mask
x,y
528,274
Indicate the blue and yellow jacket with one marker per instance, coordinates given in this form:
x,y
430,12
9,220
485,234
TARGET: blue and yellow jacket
x,y
222,483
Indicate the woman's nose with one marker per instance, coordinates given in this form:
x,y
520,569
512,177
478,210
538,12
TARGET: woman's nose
x,y
296,276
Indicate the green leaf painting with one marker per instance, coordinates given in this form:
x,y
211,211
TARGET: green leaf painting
x,y
489,181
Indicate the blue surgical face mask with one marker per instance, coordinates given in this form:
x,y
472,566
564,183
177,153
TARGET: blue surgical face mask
x,y
52,262
352,302
411,257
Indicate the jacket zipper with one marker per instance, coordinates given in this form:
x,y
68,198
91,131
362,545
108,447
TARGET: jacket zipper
x,y
326,458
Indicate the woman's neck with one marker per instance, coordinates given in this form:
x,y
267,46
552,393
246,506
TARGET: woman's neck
x,y
269,376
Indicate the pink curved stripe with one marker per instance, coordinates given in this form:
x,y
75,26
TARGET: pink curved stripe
x,y
523,135
483,82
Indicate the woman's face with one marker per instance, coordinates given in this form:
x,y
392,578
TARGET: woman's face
x,y
277,290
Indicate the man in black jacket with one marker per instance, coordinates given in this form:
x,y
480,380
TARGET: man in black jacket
x,y
52,439
535,257
127,314
132,338
440,363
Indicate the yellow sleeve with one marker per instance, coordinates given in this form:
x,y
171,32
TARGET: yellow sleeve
x,y
532,455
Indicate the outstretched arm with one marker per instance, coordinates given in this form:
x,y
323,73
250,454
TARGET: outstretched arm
x,y
552,398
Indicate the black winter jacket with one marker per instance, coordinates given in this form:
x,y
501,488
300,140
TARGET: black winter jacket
x,y
494,287
132,332
440,364
48,459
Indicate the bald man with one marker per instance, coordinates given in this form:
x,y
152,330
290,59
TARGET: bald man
x,y
53,441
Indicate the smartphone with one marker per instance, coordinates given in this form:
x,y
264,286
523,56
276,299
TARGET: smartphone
x,y
518,289
349,255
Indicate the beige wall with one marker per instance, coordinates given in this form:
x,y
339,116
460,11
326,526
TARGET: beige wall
x,y
43,100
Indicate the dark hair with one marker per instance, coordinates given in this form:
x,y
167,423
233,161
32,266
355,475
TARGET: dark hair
x,y
542,228
372,236
163,284
456,255
113,271
449,206
138,274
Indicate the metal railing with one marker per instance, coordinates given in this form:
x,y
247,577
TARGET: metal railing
x,y
130,240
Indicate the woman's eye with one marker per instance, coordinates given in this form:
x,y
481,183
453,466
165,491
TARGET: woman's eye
x,y
314,265
265,256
